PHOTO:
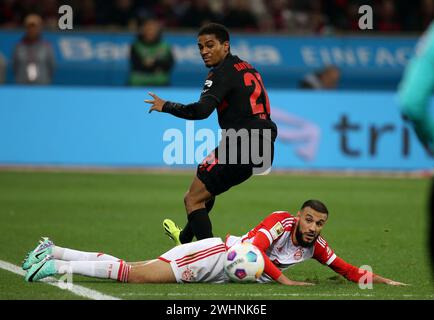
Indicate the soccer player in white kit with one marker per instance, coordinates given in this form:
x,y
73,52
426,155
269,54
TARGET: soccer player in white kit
x,y
284,240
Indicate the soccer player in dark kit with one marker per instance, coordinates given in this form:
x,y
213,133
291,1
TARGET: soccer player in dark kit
x,y
235,88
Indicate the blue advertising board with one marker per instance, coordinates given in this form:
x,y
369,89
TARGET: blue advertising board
x,y
103,58
111,127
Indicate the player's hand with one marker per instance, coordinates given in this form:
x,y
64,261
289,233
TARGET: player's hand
x,y
300,283
380,279
284,280
156,104
395,283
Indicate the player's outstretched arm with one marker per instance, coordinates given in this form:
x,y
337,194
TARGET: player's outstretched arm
x,y
285,281
354,274
379,279
193,111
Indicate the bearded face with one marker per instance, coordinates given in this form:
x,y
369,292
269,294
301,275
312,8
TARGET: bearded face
x,y
309,226
306,239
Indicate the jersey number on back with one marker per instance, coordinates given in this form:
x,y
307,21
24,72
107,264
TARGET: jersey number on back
x,y
256,80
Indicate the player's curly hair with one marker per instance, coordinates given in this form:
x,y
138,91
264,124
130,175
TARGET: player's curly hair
x,y
217,29
316,205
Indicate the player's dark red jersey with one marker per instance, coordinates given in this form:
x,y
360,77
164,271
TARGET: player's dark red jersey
x,y
236,90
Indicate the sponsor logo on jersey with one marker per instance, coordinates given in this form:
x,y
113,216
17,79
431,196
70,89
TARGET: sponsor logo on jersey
x,y
298,254
276,230
208,83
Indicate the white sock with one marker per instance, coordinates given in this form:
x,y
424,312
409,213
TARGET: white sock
x,y
98,269
66,254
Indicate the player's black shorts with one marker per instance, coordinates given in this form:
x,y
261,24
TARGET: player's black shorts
x,y
219,176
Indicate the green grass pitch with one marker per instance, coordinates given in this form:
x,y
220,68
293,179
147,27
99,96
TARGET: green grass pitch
x,y
381,222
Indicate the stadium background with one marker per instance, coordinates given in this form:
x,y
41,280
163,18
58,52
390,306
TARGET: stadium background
x,y
82,160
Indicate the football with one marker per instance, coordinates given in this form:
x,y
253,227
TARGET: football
x,y
244,263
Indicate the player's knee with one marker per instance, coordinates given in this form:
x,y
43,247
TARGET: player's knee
x,y
189,201
187,198
134,276
193,202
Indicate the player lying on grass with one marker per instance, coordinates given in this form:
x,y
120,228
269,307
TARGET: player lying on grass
x,y
283,239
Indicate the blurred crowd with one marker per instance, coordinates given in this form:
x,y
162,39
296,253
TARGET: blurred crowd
x,y
297,16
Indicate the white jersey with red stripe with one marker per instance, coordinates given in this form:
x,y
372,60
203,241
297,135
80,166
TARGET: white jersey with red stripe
x,y
278,228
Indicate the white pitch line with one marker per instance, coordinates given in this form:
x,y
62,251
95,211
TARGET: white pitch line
x,y
76,289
